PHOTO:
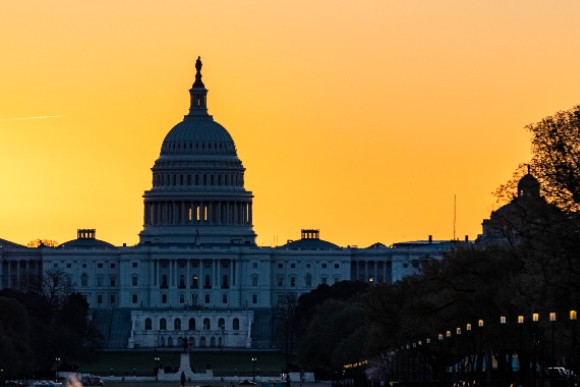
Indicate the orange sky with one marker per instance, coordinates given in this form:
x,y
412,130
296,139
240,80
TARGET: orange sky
x,y
360,118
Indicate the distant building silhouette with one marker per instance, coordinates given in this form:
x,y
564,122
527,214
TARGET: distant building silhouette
x,y
525,215
196,273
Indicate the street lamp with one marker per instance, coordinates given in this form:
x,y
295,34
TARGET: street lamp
x,y
156,359
57,361
254,360
479,365
520,354
553,321
535,319
502,363
459,372
573,317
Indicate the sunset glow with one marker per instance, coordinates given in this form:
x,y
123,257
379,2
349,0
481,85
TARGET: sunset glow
x,y
362,119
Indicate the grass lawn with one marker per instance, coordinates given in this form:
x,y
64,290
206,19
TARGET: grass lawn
x,y
222,362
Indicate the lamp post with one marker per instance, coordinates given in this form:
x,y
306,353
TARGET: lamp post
x,y
520,353
553,323
535,319
156,359
442,377
503,362
468,351
57,362
254,360
459,354
479,365
573,317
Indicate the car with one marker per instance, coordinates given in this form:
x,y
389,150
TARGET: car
x,y
91,380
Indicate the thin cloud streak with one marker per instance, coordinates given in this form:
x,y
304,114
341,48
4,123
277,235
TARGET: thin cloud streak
x,y
30,118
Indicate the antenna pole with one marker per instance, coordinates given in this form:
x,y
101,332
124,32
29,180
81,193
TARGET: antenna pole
x,y
454,214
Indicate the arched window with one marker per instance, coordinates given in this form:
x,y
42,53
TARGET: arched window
x,y
162,342
148,324
308,280
202,342
220,342
221,323
177,324
162,324
181,342
170,342
212,342
192,324
191,342
236,324
194,280
206,324
84,279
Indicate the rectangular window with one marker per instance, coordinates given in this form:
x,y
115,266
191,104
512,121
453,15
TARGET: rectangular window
x,y
224,298
112,265
293,281
135,264
100,265
112,299
99,299
254,280
100,281
336,265
254,298
164,298
207,300
68,265
292,265
324,265
280,281
134,280
182,298
113,282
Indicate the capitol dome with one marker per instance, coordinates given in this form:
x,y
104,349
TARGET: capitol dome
x,y
198,135
198,195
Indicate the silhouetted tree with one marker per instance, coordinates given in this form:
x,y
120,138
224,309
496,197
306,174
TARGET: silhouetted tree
x,y
555,160
42,242
285,326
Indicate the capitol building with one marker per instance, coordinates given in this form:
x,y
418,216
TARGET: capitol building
x,y
197,273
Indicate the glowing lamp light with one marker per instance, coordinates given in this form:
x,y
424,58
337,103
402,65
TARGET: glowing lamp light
x,y
480,323
573,315
535,317
520,319
552,316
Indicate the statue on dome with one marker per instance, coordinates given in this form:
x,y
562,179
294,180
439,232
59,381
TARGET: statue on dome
x,y
198,64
